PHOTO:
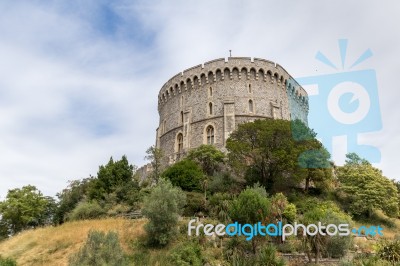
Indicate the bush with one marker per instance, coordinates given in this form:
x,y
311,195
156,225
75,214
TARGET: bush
x,y
162,207
267,257
100,249
365,260
187,254
185,174
223,182
7,262
194,204
219,204
236,254
86,210
389,251
337,246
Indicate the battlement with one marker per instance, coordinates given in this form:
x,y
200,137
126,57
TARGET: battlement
x,y
205,103
229,68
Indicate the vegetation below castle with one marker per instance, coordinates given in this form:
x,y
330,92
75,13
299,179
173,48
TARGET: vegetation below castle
x,y
274,170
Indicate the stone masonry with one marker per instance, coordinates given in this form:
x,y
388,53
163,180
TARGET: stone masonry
x,y
205,103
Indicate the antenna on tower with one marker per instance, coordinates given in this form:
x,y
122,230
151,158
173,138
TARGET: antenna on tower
x,y
230,53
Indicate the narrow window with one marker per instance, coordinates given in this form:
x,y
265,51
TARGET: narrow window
x,y
251,106
182,117
210,108
179,139
210,135
249,88
210,92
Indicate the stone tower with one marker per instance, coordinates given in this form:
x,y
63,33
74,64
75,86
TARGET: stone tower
x,y
205,103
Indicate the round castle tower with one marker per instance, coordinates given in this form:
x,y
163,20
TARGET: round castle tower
x,y
205,103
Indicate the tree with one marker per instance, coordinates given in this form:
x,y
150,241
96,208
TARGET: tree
x,y
155,156
353,160
163,207
25,208
250,207
69,198
364,188
185,174
208,157
269,151
110,177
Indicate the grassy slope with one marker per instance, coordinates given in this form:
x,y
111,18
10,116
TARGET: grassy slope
x,y
54,245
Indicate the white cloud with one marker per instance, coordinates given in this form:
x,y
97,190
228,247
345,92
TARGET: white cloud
x,y
79,82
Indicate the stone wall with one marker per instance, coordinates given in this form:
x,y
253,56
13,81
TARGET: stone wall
x,y
223,93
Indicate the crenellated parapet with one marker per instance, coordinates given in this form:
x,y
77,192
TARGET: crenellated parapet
x,y
221,69
205,103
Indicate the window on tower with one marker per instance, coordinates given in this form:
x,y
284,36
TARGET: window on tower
x,y
210,135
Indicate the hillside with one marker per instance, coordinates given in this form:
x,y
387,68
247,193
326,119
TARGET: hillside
x,y
54,245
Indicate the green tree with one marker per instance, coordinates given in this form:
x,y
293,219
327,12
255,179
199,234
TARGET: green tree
x,y
208,157
25,207
112,176
353,159
163,207
364,188
250,207
155,156
69,198
269,151
185,174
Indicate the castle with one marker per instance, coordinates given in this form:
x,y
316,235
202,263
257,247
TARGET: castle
x,y
205,103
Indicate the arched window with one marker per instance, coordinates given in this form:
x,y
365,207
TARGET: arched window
x,y
251,108
182,117
249,88
210,108
179,140
210,92
210,135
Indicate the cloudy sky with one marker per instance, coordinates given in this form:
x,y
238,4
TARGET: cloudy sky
x,y
79,79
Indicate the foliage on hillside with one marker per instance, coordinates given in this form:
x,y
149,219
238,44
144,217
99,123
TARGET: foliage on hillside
x,y
274,171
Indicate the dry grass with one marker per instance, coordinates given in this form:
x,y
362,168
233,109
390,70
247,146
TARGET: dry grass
x,y
54,245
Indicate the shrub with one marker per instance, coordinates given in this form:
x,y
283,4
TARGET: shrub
x,y
194,204
267,257
187,254
223,182
337,246
389,251
365,260
100,249
219,204
7,262
162,207
86,210
185,174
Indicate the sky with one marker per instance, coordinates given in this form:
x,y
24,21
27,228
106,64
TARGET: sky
x,y
79,80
